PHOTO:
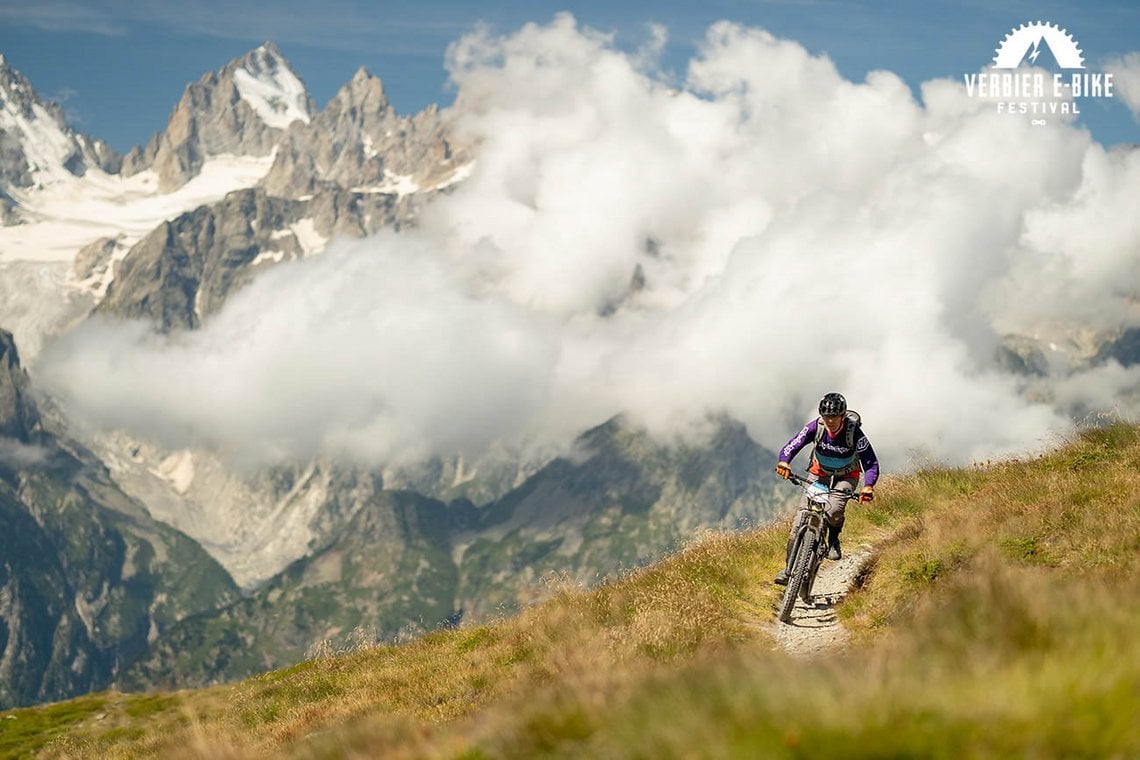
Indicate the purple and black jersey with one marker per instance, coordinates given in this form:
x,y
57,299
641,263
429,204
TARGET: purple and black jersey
x,y
833,455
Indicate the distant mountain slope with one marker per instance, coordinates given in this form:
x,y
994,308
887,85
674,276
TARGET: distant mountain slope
x,y
406,563
88,578
620,501
388,569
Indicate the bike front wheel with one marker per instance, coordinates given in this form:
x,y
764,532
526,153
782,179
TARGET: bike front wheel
x,y
812,570
798,575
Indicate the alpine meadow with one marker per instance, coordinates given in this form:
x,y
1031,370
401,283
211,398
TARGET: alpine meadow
x,y
994,621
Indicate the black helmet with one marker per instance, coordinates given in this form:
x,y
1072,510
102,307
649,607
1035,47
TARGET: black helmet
x,y
832,404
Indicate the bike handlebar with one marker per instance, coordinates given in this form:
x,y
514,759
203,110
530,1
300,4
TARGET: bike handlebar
x,y
804,483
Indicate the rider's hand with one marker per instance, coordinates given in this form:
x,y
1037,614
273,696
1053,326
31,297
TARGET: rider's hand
x,y
783,469
867,494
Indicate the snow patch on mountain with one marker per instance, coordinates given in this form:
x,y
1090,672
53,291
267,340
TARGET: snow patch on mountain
x,y
311,241
272,90
406,184
274,257
46,146
303,233
178,470
36,300
400,184
461,173
43,288
95,278
37,148
68,215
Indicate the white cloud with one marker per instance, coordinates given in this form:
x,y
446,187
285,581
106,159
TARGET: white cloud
x,y
766,234
20,454
1125,72
62,16
375,347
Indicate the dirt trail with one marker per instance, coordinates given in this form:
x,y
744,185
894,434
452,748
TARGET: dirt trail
x,y
816,628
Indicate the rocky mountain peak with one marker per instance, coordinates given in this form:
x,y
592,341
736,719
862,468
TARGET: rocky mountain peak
x,y
266,82
360,142
243,109
21,100
37,147
264,60
366,91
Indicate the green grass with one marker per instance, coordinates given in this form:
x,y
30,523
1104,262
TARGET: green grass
x,y
998,619
24,731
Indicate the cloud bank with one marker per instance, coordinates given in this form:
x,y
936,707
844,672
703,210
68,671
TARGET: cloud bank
x,y
743,244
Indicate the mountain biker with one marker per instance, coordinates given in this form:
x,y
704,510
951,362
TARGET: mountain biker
x,y
840,455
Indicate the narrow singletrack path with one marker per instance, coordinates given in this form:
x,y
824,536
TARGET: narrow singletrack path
x,y
816,628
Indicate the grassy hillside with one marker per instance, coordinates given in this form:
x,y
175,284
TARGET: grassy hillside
x,y
999,619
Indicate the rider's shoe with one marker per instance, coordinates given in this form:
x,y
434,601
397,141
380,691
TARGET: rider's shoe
x,y
833,549
781,579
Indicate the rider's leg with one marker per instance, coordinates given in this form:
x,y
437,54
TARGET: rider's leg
x,y
837,515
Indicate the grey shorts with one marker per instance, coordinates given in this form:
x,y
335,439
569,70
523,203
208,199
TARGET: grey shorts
x,y
837,505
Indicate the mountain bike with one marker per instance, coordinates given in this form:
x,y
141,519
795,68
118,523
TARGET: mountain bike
x,y
809,545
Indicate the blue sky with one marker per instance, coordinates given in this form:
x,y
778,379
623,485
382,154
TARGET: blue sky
x,y
119,66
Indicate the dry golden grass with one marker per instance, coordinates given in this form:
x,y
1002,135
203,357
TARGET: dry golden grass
x,y
393,695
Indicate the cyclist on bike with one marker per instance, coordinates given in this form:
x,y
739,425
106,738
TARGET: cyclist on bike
x,y
840,455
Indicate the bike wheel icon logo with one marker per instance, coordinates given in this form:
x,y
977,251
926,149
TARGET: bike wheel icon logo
x,y
1030,43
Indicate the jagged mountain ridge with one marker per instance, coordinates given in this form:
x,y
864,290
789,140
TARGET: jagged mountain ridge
x,y
185,269
255,106
257,523
618,500
359,142
357,165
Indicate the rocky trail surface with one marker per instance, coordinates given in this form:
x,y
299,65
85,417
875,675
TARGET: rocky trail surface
x,y
815,628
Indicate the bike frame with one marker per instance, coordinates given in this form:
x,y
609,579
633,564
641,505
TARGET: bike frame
x,y
810,542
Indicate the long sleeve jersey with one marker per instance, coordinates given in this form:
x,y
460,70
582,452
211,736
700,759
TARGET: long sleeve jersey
x,y
832,450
